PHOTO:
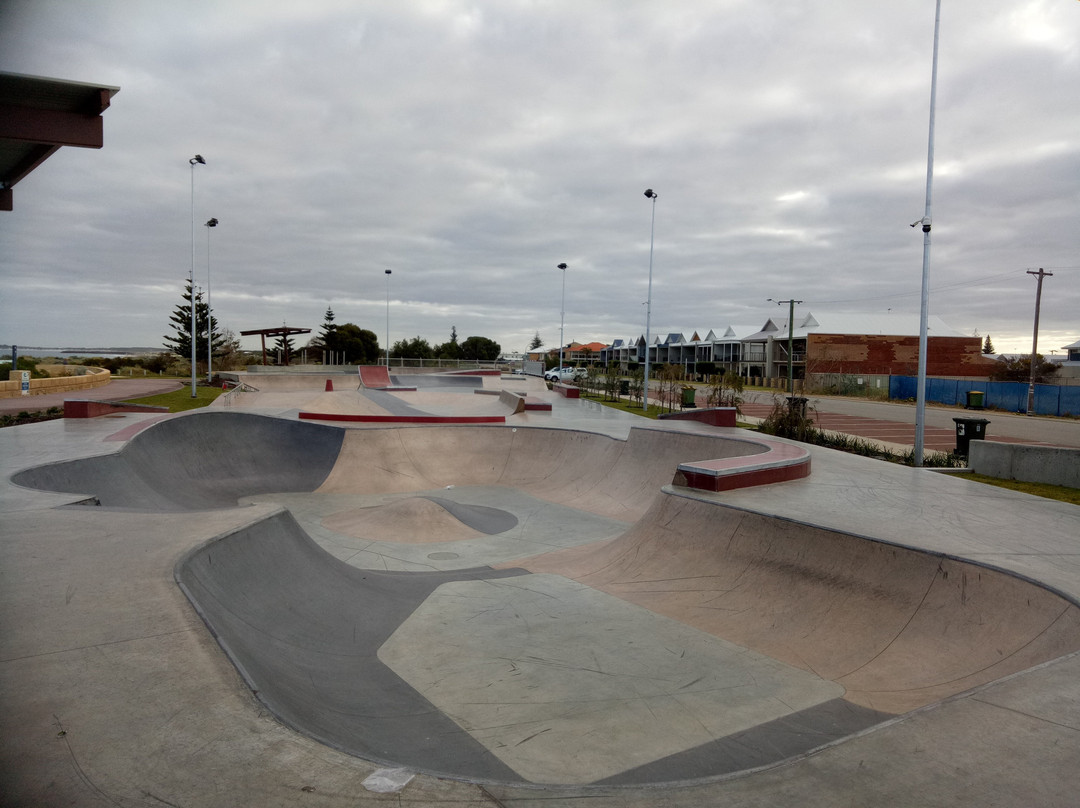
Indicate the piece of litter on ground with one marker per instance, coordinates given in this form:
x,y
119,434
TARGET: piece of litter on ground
x,y
386,781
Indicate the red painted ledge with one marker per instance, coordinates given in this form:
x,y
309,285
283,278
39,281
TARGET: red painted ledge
x,y
780,462
404,419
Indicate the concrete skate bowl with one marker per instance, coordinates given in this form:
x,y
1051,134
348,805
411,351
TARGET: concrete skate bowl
x,y
702,641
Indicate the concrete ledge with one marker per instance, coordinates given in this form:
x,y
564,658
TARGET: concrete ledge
x,y
567,390
92,409
715,416
776,463
1053,465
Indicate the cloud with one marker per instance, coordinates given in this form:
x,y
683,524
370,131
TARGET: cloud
x,y
472,146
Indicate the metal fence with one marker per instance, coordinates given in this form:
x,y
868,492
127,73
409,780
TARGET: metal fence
x,y
1050,399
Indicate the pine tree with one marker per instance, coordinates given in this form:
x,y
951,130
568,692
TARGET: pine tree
x,y
180,342
988,346
536,342
329,340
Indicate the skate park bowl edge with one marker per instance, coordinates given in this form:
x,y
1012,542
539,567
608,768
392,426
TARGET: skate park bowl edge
x,y
682,639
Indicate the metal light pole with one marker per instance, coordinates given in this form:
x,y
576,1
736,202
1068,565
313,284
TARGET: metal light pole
x,y
387,320
562,315
920,393
649,194
196,160
209,311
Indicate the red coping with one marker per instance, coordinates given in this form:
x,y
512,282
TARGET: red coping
x,y
568,391
404,419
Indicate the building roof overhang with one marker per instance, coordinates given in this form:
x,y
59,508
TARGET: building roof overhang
x,y
39,115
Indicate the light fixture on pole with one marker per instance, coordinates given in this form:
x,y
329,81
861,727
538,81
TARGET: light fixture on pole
x,y
920,391
649,194
196,160
562,314
209,311
387,319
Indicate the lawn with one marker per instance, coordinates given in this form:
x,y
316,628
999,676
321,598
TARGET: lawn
x,y
181,400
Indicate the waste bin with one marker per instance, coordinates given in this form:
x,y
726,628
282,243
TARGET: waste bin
x,y
797,404
974,400
967,430
688,394
624,387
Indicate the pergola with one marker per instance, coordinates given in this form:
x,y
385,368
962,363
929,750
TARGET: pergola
x,y
39,115
280,331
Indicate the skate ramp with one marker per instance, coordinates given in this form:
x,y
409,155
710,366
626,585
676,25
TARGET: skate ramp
x,y
206,460
896,628
701,641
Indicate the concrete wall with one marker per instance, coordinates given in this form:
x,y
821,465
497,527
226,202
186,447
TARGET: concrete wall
x,y
94,377
1019,461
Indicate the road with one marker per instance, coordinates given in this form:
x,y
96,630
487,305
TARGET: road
x,y
893,422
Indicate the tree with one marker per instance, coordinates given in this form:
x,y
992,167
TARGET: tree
x,y
359,345
285,345
1019,369
451,349
536,342
988,346
415,348
327,340
180,342
480,349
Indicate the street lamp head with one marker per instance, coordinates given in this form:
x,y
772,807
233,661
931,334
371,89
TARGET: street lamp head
x,y
198,158
212,223
561,266
650,193
387,271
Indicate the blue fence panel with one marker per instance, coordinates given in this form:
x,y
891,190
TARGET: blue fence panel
x,y
1069,401
903,388
1010,396
1046,399
943,391
1050,399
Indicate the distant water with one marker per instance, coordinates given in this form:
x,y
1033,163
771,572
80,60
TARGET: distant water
x,y
72,353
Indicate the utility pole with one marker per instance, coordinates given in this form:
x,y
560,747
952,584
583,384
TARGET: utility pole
x,y
1042,273
790,342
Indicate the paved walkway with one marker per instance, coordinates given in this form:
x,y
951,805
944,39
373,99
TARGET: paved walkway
x,y
119,389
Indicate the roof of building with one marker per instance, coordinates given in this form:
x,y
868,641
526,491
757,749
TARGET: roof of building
x,y
893,324
40,116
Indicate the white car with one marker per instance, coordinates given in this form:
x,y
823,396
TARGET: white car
x,y
565,375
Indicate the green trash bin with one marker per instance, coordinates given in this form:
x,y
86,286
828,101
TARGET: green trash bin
x,y
624,387
974,400
688,396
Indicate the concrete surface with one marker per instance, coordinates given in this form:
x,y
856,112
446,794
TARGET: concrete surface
x,y
1052,465
901,677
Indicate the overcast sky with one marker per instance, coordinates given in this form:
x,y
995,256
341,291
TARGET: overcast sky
x,y
470,147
